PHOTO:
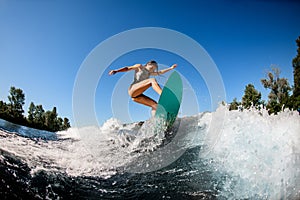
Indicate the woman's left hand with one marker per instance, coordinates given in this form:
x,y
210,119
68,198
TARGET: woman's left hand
x,y
174,66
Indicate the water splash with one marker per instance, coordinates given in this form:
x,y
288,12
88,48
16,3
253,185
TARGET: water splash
x,y
257,155
254,155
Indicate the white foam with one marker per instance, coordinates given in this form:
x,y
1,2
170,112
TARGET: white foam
x,y
258,154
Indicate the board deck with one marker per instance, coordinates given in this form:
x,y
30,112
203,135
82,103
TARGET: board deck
x,y
170,100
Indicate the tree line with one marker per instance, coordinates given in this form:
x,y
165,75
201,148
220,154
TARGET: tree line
x,y
37,117
281,95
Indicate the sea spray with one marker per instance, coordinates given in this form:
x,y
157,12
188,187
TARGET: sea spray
x,y
257,155
253,156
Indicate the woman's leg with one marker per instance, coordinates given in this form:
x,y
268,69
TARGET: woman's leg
x,y
136,92
143,99
140,87
147,101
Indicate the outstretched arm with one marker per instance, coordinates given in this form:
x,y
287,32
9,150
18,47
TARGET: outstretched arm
x,y
125,69
164,70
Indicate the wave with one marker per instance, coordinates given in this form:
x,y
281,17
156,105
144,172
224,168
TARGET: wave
x,y
231,155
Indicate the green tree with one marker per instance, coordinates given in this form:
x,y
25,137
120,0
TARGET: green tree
x,y
3,110
55,123
16,102
251,97
31,113
60,123
66,124
279,95
296,66
51,121
39,117
234,105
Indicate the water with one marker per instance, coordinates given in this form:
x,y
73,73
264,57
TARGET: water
x,y
251,156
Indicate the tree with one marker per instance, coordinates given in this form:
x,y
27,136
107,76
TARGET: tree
x,y
251,97
16,102
279,94
55,123
3,110
60,123
234,105
66,124
296,65
39,117
31,112
50,120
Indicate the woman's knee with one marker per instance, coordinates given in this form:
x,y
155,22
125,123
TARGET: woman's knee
x,y
130,92
134,99
154,107
152,80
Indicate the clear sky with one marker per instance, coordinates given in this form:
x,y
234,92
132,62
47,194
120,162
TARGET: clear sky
x,y
44,43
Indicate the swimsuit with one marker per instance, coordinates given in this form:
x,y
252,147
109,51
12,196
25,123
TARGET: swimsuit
x,y
140,75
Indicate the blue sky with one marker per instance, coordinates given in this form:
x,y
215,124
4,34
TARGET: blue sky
x,y
44,43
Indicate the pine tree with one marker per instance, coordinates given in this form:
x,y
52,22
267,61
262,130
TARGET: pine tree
x,y
251,97
31,111
296,66
16,102
3,110
279,95
66,124
234,105
39,117
50,119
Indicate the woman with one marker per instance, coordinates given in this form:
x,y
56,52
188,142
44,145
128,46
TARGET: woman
x,y
142,82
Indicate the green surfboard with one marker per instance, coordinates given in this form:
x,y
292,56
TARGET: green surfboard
x,y
169,101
